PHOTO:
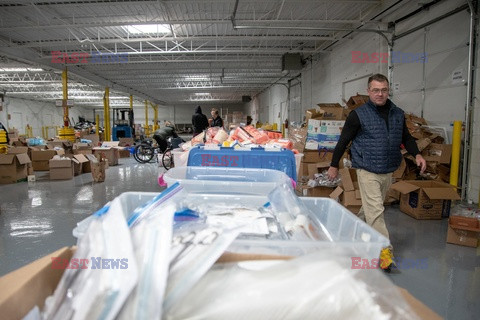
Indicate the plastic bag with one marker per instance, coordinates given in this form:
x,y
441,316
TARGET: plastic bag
x,y
194,250
97,287
299,222
317,286
151,239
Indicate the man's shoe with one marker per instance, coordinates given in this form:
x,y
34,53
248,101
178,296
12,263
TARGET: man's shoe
x,y
386,260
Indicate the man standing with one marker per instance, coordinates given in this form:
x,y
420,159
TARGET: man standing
x,y
216,120
377,130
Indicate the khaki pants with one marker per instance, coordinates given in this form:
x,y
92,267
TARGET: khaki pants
x,y
373,189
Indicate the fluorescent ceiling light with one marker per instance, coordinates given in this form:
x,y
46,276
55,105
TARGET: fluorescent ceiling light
x,y
197,78
149,29
202,93
20,69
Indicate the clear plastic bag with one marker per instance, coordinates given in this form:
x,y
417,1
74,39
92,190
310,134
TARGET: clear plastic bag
x,y
194,250
99,288
298,221
151,239
317,286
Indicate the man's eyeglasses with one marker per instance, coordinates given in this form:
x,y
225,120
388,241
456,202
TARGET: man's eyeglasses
x,y
377,91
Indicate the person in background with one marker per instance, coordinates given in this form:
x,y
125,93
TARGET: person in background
x,y
376,129
162,134
249,120
217,121
199,121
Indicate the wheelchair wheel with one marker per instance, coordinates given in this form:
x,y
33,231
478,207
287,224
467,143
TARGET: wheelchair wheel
x,y
167,159
144,153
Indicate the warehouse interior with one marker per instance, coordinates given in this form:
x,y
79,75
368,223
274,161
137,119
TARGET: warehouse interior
x,y
270,59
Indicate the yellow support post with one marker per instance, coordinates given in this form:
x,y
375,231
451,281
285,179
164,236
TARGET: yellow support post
x,y
97,124
106,114
456,146
146,119
131,101
155,116
65,97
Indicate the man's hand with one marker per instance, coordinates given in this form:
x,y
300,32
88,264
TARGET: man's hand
x,y
421,163
332,173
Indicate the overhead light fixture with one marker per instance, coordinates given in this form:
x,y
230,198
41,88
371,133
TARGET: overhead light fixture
x,y
148,29
20,69
196,78
202,93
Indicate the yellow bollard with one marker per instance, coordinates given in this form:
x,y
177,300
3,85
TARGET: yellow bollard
x,y
456,148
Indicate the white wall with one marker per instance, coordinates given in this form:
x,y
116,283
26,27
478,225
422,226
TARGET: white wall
x,y
332,77
179,114
37,114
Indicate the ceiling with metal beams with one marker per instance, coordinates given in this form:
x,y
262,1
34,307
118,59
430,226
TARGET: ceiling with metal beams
x,y
194,50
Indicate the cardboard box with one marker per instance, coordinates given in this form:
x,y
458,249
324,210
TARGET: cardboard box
x,y
463,231
126,142
330,111
124,153
61,168
323,134
98,170
298,137
17,150
356,101
314,168
30,285
87,167
40,159
94,138
66,145
425,199
82,148
13,167
84,163
111,154
440,153
325,111
348,193
319,191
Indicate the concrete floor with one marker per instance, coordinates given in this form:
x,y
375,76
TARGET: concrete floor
x,y
37,218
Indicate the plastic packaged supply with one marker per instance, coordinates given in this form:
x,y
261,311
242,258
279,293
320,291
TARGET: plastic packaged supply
x,y
299,222
105,272
193,253
317,286
220,137
151,239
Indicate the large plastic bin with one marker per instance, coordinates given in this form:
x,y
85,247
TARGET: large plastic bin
x,y
352,237
282,160
226,179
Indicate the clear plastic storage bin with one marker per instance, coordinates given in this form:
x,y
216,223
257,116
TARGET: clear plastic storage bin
x,y
351,236
226,179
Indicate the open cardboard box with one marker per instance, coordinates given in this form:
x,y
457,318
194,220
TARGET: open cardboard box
x,y
13,167
464,231
425,199
30,285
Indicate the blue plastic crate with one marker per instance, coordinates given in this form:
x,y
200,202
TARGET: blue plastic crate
x,y
283,160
